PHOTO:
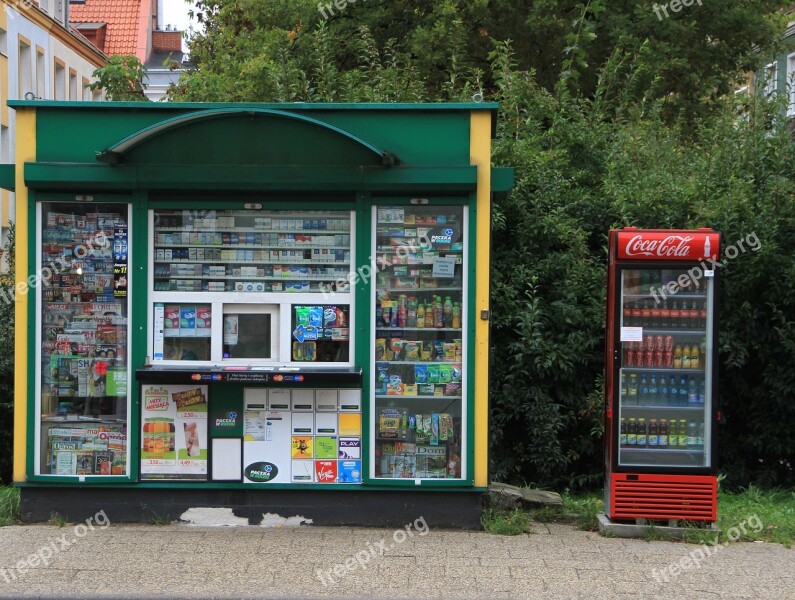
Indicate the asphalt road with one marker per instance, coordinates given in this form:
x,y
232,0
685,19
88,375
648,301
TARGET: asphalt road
x,y
556,561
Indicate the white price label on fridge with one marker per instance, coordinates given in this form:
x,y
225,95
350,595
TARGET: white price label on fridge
x,y
632,334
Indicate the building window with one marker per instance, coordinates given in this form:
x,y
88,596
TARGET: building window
x,y
86,91
60,80
72,84
41,74
3,42
770,79
790,83
25,75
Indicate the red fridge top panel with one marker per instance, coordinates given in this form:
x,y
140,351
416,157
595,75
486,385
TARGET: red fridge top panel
x,y
668,244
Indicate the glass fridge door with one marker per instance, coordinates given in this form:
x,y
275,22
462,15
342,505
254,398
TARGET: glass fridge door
x,y
419,361
665,373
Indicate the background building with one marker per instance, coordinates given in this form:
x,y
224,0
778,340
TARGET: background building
x,y
41,57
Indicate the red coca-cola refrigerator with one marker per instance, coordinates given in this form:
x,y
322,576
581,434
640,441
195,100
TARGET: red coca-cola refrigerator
x,y
661,406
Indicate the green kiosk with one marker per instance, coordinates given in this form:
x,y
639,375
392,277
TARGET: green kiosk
x,y
272,308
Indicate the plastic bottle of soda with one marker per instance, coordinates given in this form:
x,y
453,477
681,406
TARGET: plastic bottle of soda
x,y
642,435
700,440
636,314
693,314
686,357
695,357
645,314
421,315
682,391
663,442
624,387
682,433
663,393
692,392
692,434
673,391
429,314
448,312
654,434
673,435
702,313
655,314
438,313
702,392
654,390
622,435
643,393
632,432
675,314
678,357
632,389
665,315
456,316
627,314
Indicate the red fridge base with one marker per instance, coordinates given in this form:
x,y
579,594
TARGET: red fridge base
x,y
652,496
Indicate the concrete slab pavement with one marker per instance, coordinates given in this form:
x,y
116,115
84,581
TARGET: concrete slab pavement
x,y
556,561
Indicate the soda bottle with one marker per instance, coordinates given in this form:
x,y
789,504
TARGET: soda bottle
x,y
663,393
682,433
663,442
438,313
682,391
429,314
632,432
673,392
421,315
692,434
411,318
629,354
448,312
692,392
624,387
643,393
693,314
645,281
636,314
655,314
675,314
700,439
654,434
686,357
673,437
695,357
645,314
403,310
702,392
627,314
457,316
665,316
622,435
642,436
702,313
653,390
678,357
632,389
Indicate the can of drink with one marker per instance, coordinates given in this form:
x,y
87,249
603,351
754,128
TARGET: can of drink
x,y
668,359
669,343
649,343
648,358
629,357
659,359
659,343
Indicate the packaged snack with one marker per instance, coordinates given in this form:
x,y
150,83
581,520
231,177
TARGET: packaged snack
x,y
395,386
301,313
452,389
389,422
382,377
457,375
412,350
396,348
425,389
438,390
433,373
380,349
409,389
445,373
443,427
438,347
434,437
426,350
420,374
426,425
316,316
449,352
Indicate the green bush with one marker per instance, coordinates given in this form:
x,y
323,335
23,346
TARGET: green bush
x,y
6,368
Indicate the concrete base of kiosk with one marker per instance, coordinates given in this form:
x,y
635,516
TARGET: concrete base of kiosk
x,y
365,508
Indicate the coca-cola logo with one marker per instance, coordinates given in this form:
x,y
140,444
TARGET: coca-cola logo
x,y
673,245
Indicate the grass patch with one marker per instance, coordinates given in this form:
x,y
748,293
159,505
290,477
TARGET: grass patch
x,y
580,510
506,522
9,505
768,515
58,520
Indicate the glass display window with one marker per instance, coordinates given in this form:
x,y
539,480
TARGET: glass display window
x,y
82,366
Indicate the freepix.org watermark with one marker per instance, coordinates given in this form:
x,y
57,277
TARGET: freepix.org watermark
x,y
363,557
44,555
689,280
340,5
55,267
694,558
674,5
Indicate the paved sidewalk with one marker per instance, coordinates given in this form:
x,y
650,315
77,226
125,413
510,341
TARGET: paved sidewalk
x,y
557,561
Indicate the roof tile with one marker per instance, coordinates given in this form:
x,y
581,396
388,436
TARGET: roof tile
x,y
124,19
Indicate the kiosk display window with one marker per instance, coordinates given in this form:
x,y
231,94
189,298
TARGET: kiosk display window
x,y
419,362
83,368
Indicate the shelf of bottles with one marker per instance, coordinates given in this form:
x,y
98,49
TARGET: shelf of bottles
x,y
419,342
665,376
83,359
251,250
